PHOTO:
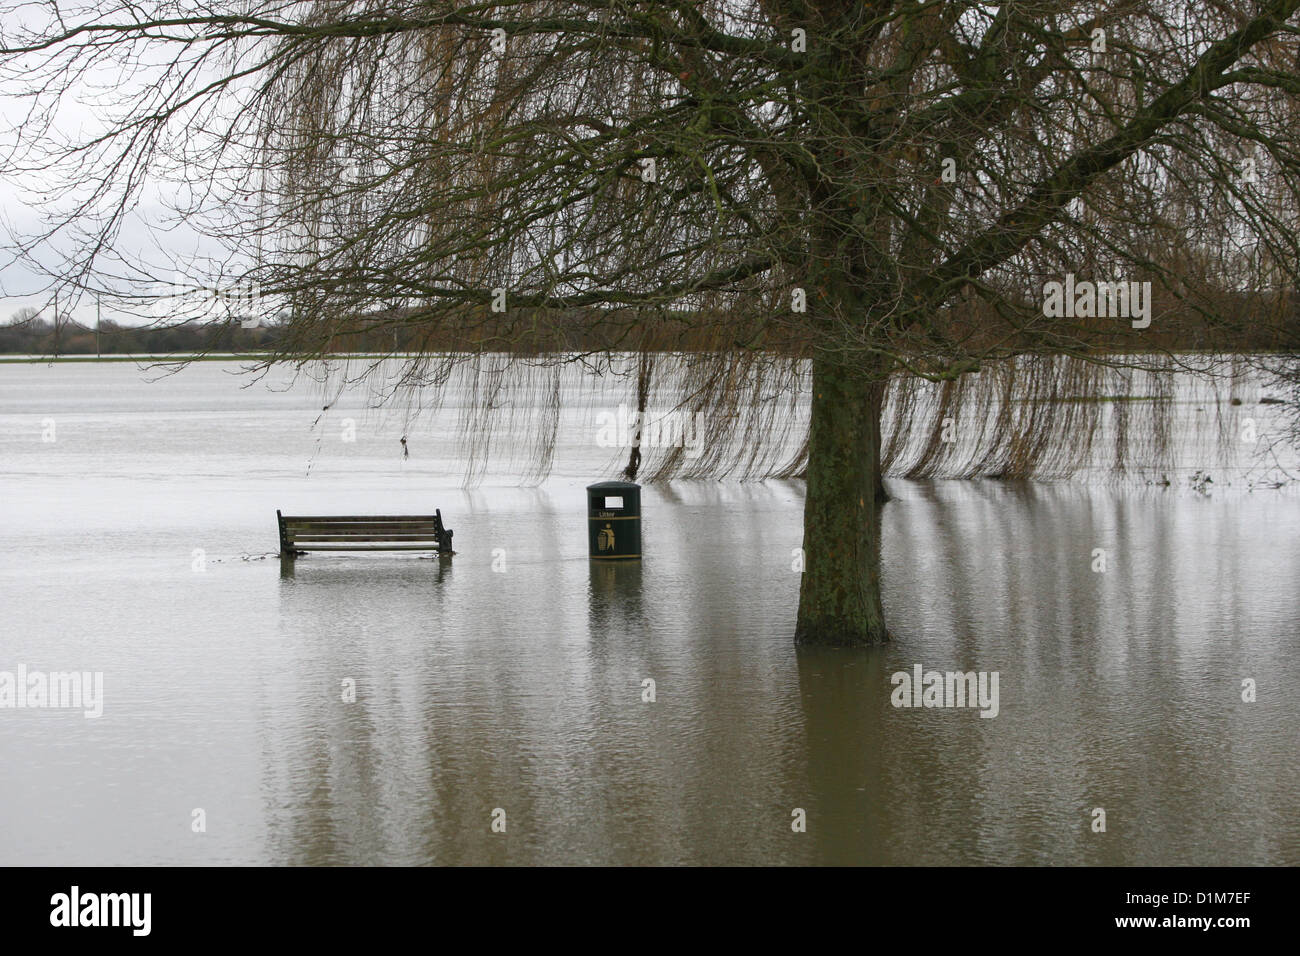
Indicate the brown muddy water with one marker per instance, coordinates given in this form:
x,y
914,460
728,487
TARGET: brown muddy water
x,y
387,709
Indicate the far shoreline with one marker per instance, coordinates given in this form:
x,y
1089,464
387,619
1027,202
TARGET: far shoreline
x,y
173,358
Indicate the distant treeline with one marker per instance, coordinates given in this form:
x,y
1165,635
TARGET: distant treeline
x,y
1257,325
37,336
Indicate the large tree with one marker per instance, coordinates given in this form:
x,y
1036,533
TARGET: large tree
x,y
857,196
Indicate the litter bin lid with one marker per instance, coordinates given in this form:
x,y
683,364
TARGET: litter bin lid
x,y
614,486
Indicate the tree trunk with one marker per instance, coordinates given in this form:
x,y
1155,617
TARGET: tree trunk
x,y
839,596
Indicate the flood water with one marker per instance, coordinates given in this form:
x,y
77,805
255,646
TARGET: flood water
x,y
137,540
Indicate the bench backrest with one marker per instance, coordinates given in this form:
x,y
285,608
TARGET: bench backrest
x,y
363,533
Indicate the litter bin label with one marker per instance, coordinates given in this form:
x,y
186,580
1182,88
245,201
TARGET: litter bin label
x,y
606,538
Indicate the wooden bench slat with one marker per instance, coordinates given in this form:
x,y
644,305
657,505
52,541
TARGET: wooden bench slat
x,y
399,538
363,524
360,528
370,547
359,518
321,526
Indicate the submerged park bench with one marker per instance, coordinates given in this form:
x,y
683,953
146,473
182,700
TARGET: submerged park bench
x,y
302,533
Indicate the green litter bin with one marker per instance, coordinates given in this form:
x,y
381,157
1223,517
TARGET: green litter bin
x,y
614,521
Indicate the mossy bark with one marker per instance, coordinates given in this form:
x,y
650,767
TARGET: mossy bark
x,y
839,595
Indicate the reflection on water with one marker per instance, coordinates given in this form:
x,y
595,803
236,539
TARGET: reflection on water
x,y
378,709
